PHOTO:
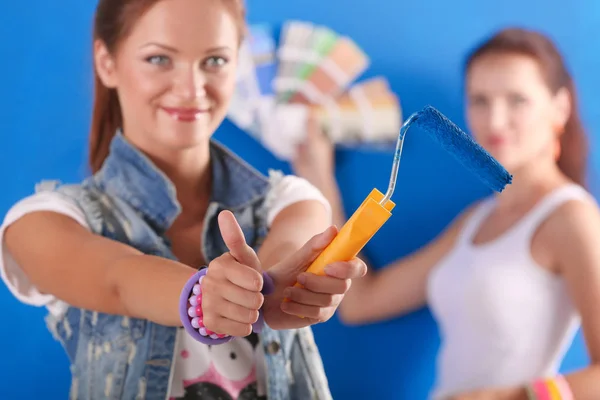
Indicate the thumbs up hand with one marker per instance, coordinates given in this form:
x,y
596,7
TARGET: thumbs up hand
x,y
234,286
231,289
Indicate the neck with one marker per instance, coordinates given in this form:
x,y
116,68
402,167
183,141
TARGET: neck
x,y
530,182
190,172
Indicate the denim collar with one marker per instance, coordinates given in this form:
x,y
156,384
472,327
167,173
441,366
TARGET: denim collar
x,y
132,177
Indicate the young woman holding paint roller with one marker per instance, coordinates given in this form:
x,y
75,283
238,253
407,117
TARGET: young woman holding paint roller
x,y
513,277
115,259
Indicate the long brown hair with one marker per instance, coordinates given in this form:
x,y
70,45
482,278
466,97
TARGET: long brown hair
x,y
573,141
113,22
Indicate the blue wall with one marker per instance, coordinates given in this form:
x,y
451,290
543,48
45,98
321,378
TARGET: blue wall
x,y
418,45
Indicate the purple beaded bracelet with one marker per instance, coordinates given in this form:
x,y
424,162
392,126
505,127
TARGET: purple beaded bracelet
x,y
190,310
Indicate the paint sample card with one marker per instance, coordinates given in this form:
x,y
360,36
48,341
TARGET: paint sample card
x,y
312,73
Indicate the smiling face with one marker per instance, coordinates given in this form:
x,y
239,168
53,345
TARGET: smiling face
x,y
174,73
511,111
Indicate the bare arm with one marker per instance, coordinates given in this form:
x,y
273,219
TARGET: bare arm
x,y
575,232
400,287
329,187
291,229
95,273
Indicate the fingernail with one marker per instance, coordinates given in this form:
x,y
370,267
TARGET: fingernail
x,y
302,279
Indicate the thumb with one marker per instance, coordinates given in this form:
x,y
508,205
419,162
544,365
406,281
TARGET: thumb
x,y
298,262
236,242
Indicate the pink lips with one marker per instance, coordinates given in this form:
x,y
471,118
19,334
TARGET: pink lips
x,y
184,114
496,141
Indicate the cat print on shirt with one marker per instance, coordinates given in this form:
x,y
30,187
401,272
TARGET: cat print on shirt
x,y
223,372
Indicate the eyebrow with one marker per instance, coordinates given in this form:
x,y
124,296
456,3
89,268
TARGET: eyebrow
x,y
174,50
164,46
218,48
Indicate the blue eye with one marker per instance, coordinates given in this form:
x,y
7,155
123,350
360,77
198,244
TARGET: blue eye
x,y
516,99
215,62
158,60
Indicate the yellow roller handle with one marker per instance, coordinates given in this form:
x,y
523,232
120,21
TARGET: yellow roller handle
x,y
355,234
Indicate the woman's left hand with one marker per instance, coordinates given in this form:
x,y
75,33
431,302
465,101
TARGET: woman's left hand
x,y
518,393
320,296
315,157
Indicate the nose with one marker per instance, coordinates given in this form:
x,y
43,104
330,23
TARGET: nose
x,y
189,84
498,117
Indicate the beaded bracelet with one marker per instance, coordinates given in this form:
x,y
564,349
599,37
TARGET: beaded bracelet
x,y
190,310
550,389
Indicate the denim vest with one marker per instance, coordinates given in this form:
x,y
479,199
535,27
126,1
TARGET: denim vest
x,y
129,200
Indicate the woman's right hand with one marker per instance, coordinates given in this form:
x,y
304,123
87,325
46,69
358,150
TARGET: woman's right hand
x,y
231,288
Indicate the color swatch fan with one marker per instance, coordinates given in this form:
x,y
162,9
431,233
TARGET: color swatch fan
x,y
316,64
311,74
256,71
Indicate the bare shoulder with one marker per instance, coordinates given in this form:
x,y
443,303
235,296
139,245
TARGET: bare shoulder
x,y
576,216
572,232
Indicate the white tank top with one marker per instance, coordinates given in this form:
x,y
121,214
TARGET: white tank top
x,y
504,320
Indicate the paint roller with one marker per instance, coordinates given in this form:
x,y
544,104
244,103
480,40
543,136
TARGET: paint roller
x,y
376,208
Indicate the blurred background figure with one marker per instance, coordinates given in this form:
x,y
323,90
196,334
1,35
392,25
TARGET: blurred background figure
x,y
508,280
418,46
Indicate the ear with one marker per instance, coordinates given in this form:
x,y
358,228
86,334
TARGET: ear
x,y
562,106
105,65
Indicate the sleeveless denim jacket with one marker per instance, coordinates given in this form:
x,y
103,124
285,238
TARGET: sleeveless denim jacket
x,y
129,200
